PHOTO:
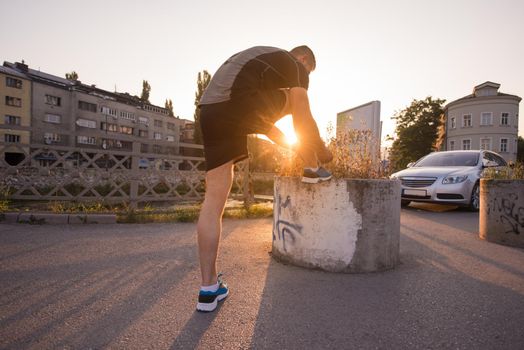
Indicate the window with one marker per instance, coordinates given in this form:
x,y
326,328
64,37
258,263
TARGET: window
x,y
158,123
52,100
503,145
156,109
466,120
108,111
485,144
143,120
126,130
170,126
157,149
170,138
504,119
486,118
14,83
86,123
86,106
11,120
109,127
451,145
157,136
12,138
86,140
452,122
52,118
491,159
127,115
50,137
142,133
466,144
110,143
13,101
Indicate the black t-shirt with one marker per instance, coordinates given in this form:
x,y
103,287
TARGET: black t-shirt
x,y
258,69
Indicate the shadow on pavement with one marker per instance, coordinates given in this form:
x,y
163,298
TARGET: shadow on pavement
x,y
426,302
195,328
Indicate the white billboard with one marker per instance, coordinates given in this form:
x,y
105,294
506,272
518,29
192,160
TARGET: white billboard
x,y
363,117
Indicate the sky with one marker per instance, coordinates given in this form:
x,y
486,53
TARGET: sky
x,y
393,51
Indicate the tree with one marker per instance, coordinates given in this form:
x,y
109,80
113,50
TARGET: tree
x,y
169,106
73,76
440,143
416,130
203,80
520,149
146,89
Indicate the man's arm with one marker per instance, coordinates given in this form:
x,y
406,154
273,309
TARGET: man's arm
x,y
303,121
306,127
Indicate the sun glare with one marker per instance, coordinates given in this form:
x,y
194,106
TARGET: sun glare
x,y
286,126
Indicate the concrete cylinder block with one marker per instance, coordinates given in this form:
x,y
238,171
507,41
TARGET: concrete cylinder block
x,y
501,215
342,225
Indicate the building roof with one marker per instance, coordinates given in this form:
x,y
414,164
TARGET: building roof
x,y
480,86
10,71
22,70
487,84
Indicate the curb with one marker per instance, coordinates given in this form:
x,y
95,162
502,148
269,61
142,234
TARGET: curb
x,y
56,219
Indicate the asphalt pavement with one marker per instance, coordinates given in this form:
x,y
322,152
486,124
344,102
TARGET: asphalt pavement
x,y
121,286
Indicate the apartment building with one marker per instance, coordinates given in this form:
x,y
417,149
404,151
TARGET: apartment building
x,y
486,119
73,114
15,114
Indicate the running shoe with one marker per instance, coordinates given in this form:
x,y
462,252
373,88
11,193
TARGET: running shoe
x,y
312,177
208,301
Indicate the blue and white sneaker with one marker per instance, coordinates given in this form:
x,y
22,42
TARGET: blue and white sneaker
x,y
311,176
208,301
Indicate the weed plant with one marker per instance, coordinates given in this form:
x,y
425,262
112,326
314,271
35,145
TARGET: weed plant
x,y
356,154
511,172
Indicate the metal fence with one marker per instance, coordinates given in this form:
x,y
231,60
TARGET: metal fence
x,y
57,173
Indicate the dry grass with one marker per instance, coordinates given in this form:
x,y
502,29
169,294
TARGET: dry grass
x,y
512,172
354,156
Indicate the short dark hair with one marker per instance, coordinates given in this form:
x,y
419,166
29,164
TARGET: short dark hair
x,y
305,50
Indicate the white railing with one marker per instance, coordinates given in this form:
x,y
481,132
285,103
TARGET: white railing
x,y
49,172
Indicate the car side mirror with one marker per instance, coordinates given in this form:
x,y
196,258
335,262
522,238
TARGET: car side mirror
x,y
410,164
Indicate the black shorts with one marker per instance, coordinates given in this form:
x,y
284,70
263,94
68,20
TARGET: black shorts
x,y
225,125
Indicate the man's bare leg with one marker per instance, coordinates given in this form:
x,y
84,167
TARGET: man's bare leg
x,y
209,227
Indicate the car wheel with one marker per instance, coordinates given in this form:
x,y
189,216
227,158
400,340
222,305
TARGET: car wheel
x,y
474,201
404,202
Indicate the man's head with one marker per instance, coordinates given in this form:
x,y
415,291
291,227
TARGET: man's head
x,y
304,55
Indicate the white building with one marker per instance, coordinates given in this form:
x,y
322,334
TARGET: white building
x,y
486,119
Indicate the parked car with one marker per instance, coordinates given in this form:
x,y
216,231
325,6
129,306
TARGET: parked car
x,y
449,177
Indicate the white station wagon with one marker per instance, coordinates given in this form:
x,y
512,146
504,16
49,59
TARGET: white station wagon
x,y
450,177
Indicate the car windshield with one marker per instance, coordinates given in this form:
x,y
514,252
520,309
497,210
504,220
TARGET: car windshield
x,y
449,159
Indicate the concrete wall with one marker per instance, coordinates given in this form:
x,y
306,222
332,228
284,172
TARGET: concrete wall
x,y
340,225
501,216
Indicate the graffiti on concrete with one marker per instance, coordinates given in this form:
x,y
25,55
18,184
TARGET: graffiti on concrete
x,y
285,231
511,215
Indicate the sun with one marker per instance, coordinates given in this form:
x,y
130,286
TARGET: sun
x,y
286,126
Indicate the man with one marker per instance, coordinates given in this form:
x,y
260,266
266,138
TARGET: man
x,y
247,95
